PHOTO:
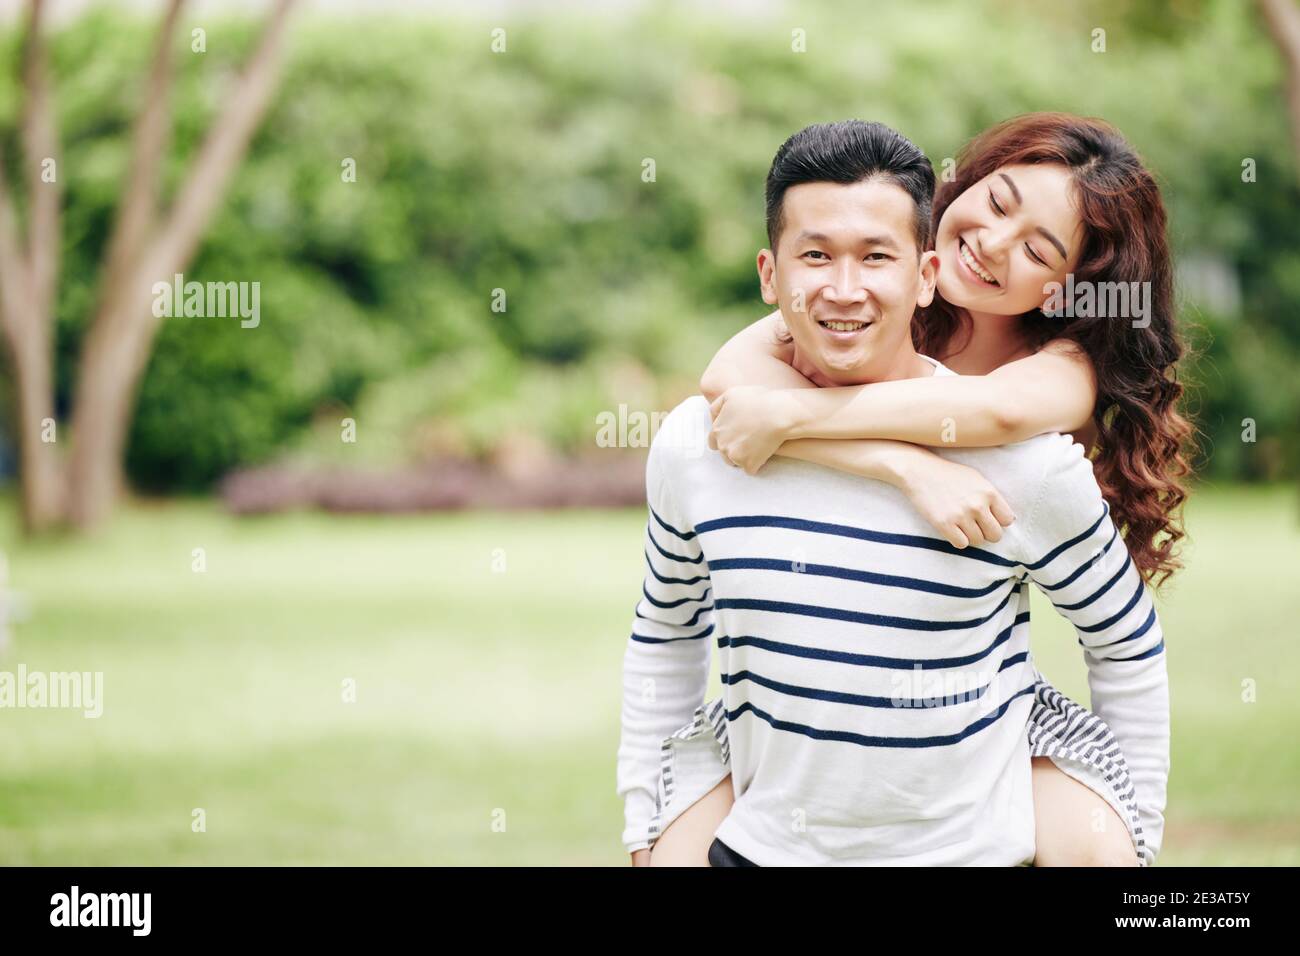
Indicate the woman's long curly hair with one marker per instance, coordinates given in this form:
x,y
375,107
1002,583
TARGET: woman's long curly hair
x,y
1143,443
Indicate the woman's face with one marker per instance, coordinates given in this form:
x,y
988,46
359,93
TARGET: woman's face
x,y
1003,240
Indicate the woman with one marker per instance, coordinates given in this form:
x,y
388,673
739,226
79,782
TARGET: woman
x,y
1035,199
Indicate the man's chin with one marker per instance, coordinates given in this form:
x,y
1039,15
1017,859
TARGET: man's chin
x,y
842,365
843,368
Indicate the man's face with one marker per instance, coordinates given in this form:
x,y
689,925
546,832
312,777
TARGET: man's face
x,y
847,275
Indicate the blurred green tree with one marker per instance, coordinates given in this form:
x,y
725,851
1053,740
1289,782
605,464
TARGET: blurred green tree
x,y
525,171
146,245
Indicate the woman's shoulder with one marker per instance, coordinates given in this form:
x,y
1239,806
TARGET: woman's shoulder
x,y
1067,348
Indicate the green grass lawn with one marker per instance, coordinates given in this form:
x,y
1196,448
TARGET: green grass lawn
x,y
487,698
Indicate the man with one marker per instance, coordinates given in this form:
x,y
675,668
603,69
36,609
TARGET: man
x,y
876,679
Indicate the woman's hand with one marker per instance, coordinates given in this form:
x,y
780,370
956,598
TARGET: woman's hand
x,y
959,501
749,425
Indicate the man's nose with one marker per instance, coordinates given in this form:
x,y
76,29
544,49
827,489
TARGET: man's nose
x,y
847,283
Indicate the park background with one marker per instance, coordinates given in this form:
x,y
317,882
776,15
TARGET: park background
x,y
471,561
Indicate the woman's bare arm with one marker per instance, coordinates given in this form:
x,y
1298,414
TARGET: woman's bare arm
x,y
958,501
753,356
869,430
955,499
1052,390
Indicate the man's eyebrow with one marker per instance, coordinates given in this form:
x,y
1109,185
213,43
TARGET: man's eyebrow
x,y
886,241
882,240
1060,246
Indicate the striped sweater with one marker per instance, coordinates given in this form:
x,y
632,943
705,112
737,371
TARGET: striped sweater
x,y
877,680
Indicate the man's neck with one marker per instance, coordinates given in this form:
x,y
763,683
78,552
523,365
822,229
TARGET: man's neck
x,y
907,363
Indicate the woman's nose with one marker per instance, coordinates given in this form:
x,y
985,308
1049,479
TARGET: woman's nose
x,y
995,242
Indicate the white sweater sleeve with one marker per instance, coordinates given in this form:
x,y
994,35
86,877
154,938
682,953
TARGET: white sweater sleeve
x,y
666,664
1085,570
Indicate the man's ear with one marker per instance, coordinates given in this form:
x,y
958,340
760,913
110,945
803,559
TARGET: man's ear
x,y
928,268
767,275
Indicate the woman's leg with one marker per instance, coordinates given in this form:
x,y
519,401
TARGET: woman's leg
x,y
1073,825
685,842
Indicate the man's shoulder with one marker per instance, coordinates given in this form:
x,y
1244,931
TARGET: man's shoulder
x,y
1021,470
1067,499
684,431
1056,452
1047,448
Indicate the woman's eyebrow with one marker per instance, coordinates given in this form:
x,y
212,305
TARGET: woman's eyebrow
x,y
1014,191
1060,246
1054,241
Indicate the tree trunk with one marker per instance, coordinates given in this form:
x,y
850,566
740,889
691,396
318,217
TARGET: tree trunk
x,y
41,472
117,347
113,359
1283,21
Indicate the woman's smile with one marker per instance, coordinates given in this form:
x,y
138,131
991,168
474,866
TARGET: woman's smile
x,y
974,270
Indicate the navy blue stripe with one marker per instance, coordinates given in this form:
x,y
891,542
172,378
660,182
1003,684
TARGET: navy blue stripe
x,y
668,554
664,640
1085,566
1128,559
1151,653
695,618
1014,659
845,531
684,535
863,740
856,617
857,700
870,660
678,603
1110,621
851,574
1146,626
1055,552
661,578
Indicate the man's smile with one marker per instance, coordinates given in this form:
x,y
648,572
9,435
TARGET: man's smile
x,y
844,329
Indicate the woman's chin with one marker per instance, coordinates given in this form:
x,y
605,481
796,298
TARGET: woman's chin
x,y
955,292
952,291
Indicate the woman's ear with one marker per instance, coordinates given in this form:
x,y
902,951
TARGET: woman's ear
x,y
928,269
767,275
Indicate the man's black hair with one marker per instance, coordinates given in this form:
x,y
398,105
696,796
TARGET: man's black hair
x,y
849,152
